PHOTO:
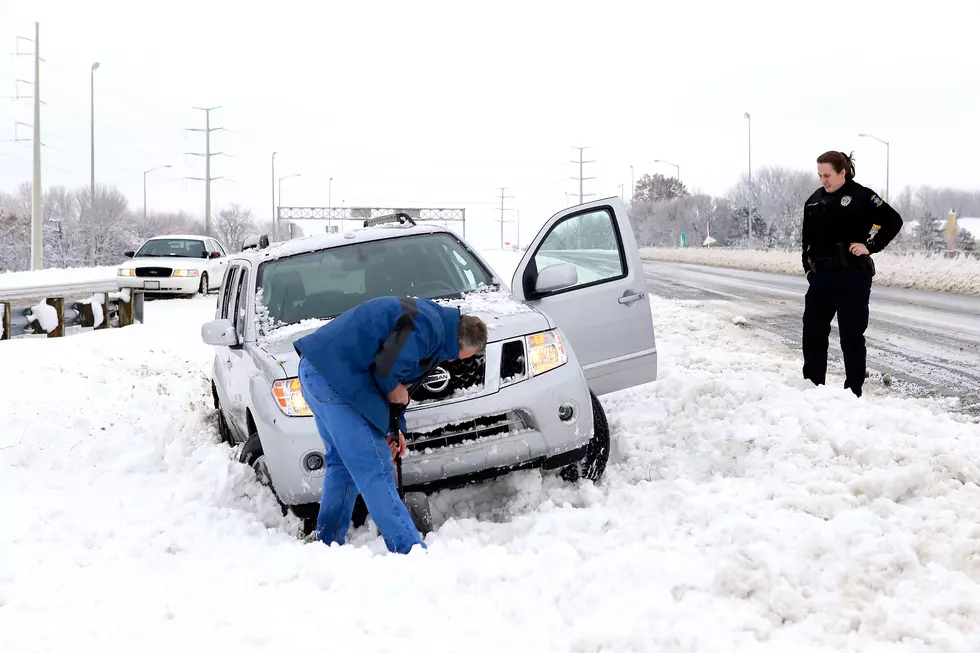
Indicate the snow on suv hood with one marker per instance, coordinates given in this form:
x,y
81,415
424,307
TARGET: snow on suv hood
x,y
504,316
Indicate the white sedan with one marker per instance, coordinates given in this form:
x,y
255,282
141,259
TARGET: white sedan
x,y
175,265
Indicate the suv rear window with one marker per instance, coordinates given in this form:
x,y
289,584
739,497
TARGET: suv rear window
x,y
326,283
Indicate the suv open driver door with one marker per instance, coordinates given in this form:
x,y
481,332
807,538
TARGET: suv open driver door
x,y
583,269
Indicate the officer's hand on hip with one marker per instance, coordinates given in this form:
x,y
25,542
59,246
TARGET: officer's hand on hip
x,y
399,395
858,249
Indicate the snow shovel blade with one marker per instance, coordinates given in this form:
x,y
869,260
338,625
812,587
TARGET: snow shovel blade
x,y
418,507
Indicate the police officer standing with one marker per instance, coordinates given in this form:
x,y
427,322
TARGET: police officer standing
x,y
844,223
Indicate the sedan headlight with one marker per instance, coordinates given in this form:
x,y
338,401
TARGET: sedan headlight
x,y
289,396
186,273
126,272
546,351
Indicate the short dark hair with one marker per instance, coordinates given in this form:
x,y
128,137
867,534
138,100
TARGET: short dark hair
x,y
839,162
472,333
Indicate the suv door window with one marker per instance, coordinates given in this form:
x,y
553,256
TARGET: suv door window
x,y
241,295
590,242
228,290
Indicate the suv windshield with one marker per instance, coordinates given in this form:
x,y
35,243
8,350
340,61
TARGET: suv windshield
x,y
173,247
325,283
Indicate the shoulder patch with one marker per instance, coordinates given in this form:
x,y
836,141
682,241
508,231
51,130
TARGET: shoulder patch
x,y
877,201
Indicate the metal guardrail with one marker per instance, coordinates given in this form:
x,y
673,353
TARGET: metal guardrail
x,y
72,304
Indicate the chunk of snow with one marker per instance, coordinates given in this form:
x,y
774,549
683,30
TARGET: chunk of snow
x,y
95,301
46,316
739,320
487,300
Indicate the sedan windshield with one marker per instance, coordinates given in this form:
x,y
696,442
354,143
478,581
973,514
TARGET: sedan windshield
x,y
173,247
326,283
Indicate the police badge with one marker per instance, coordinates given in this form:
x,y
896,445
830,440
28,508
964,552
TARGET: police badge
x,y
844,201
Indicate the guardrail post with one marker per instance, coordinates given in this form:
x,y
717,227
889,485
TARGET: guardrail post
x,y
59,305
126,312
5,321
105,312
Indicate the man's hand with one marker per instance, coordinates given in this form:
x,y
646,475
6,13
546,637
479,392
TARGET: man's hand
x,y
858,249
399,395
397,447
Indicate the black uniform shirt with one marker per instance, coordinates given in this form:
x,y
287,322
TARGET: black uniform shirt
x,y
851,214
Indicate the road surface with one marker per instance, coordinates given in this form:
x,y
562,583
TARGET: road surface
x,y
928,342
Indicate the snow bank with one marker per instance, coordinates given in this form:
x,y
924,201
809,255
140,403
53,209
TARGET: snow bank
x,y
27,278
918,271
742,510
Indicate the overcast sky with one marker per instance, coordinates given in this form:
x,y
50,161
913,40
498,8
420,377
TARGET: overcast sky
x,y
439,104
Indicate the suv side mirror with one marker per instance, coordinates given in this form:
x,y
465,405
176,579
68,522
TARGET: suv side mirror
x,y
556,277
219,333
129,254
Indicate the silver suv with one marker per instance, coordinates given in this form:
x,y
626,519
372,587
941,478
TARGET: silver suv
x,y
574,324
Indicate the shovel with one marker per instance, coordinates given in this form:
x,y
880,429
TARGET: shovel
x,y
416,502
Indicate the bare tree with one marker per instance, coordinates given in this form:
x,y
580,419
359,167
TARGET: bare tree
x,y
233,225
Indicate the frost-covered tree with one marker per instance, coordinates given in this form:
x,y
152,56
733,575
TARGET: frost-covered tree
x,y
657,188
965,241
233,225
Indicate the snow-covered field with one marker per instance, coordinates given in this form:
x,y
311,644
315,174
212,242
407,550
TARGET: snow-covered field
x,y
53,276
918,271
742,510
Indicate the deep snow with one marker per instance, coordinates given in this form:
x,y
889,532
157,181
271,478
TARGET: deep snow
x,y
742,510
917,271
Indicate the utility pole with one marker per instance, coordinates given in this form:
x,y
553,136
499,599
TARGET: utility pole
x,y
275,218
581,185
91,201
207,179
502,209
37,208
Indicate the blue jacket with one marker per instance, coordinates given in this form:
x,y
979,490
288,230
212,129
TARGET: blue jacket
x,y
367,351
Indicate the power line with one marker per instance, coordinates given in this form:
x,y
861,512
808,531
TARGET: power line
x,y
207,179
582,195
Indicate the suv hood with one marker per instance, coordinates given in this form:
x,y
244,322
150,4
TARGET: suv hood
x,y
163,261
504,316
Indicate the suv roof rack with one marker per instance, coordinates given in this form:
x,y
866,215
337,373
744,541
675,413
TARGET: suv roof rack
x,y
400,218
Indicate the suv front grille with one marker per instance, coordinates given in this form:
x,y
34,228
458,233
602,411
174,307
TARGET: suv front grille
x,y
463,375
469,431
153,272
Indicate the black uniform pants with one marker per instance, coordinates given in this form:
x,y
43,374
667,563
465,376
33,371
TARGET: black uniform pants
x,y
846,293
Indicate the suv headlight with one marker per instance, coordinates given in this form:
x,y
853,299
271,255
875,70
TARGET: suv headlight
x,y
126,272
545,351
289,396
186,273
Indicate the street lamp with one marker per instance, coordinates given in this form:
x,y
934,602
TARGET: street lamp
x,y
632,183
91,244
329,202
146,172
280,184
888,156
671,164
749,118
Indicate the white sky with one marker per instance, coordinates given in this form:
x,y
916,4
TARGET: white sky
x,y
439,104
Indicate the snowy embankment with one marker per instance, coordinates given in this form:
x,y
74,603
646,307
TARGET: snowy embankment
x,y
56,276
917,271
742,510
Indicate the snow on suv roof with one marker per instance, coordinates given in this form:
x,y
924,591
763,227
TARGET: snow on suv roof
x,y
325,241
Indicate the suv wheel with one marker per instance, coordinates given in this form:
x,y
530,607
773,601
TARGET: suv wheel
x,y
224,431
593,466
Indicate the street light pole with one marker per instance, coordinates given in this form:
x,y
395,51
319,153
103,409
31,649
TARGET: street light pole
x,y
91,236
632,183
145,172
274,196
671,164
749,118
329,202
280,183
888,156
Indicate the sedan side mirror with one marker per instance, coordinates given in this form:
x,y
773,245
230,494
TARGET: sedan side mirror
x,y
129,254
555,277
219,333
215,254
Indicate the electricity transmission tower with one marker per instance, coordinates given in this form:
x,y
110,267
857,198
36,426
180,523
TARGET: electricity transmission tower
x,y
502,209
581,180
207,154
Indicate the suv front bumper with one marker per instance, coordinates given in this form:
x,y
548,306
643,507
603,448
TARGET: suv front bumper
x,y
537,438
